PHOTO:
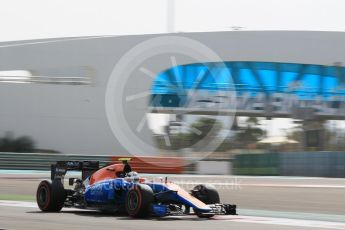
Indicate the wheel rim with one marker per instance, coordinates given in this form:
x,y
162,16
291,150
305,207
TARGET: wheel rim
x,y
133,201
42,195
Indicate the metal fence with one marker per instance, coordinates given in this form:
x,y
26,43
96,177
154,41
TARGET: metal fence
x,y
321,164
37,161
256,164
316,164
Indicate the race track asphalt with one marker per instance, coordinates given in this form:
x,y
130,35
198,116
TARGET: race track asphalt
x,y
263,202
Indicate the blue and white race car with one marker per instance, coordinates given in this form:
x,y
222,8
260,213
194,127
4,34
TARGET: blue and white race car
x,y
116,188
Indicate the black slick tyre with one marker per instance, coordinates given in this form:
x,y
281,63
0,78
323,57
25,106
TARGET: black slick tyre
x,y
208,194
50,196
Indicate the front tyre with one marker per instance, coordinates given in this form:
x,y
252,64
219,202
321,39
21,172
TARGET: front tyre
x,y
139,200
208,194
50,196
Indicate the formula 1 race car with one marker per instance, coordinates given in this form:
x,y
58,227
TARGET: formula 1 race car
x,y
116,188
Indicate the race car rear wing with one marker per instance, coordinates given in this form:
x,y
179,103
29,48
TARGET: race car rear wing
x,y
59,170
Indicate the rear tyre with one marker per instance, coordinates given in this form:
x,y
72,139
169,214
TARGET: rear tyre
x,y
139,200
50,196
207,194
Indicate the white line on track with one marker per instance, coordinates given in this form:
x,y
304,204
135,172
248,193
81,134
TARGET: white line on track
x,y
238,218
22,204
283,221
239,183
294,185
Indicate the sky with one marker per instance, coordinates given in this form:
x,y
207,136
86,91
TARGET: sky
x,y
35,19
30,19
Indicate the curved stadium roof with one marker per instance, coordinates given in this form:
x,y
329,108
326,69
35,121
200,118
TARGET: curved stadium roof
x,y
304,80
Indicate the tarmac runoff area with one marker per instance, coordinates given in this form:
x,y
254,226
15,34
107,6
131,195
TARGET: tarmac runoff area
x,y
263,203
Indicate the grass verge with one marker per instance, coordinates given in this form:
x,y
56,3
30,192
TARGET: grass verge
x,y
17,197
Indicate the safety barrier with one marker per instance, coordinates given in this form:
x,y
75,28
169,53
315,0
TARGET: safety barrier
x,y
42,161
155,164
320,164
213,167
37,161
316,164
256,164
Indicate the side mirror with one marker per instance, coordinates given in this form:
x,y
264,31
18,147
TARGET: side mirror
x,y
71,181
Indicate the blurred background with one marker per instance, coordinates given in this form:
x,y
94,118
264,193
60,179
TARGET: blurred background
x,y
287,118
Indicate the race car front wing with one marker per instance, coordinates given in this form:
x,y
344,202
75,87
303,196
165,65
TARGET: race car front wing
x,y
176,210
